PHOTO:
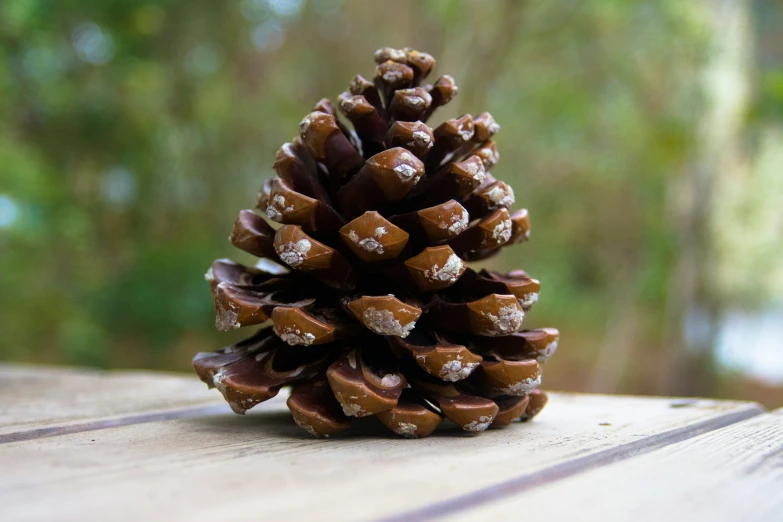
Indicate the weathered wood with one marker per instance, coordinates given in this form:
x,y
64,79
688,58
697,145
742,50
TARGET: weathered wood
x,y
223,466
735,473
38,401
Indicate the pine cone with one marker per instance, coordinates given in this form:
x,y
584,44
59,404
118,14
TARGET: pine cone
x,y
363,271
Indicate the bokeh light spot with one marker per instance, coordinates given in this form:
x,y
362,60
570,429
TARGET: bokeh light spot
x,y
118,185
93,44
286,8
9,211
203,60
268,36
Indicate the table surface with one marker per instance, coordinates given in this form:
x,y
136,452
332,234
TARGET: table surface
x,y
86,445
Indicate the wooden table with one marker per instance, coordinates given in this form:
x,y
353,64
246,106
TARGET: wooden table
x,y
87,445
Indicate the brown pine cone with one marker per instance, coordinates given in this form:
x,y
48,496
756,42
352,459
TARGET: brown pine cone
x,y
366,301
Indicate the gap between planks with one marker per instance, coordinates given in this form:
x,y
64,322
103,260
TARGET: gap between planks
x,y
527,482
734,473
102,424
40,401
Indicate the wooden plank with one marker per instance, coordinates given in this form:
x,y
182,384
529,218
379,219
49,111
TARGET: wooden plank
x,y
37,401
735,473
262,466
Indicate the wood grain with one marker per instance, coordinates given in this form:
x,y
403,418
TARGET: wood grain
x,y
731,474
261,466
38,401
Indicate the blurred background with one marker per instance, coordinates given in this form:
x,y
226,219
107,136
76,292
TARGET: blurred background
x,y
645,138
